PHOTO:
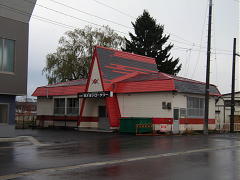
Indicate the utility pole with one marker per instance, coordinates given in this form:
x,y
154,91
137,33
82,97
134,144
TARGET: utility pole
x,y
206,112
233,86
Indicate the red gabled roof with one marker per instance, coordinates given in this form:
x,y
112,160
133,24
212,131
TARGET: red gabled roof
x,y
154,82
145,86
115,65
124,72
61,89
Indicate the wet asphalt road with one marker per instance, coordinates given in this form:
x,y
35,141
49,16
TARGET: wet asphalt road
x,y
81,155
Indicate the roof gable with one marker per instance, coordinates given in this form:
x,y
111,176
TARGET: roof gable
x,y
116,64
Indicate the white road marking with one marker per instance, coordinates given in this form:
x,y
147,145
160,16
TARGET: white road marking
x,y
31,139
95,164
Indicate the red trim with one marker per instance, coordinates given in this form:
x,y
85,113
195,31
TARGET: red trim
x,y
162,120
100,71
144,86
59,91
89,119
182,121
121,78
113,110
87,85
129,54
134,57
195,121
121,67
56,118
121,72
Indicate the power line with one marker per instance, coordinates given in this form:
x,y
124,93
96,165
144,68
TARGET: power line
x,y
198,57
39,17
197,50
172,34
214,43
71,16
25,13
190,44
70,26
121,12
79,11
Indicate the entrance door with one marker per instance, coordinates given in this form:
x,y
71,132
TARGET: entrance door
x,y
175,121
103,122
3,113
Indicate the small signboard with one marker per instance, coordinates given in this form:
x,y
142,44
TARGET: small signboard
x,y
100,94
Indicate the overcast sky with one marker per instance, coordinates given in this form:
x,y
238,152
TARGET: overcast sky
x,y
185,20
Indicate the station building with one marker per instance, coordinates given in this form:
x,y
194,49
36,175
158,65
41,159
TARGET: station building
x,y
126,85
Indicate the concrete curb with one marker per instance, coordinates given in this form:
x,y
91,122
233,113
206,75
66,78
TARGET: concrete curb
x,y
93,130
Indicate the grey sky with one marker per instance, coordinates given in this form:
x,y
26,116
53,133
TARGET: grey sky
x,y
186,20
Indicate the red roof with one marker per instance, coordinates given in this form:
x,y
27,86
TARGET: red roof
x,y
61,89
145,86
124,72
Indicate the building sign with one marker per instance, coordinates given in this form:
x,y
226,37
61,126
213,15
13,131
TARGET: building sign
x,y
100,94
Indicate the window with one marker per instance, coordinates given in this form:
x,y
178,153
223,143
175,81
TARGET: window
x,y
7,54
183,113
164,105
59,106
3,113
72,106
195,107
228,103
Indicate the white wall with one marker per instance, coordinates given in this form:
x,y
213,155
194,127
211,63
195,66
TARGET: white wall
x,y
150,104
145,104
45,106
95,77
91,107
180,101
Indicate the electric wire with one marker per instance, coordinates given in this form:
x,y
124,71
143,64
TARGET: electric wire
x,y
70,7
214,43
188,62
201,40
27,14
71,16
176,41
117,10
70,26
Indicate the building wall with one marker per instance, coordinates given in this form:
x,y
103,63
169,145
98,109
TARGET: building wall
x,y
95,83
223,112
144,104
91,107
7,130
180,101
45,106
15,83
150,105
9,11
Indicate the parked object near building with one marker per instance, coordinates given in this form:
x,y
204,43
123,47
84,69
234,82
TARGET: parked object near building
x,y
125,85
223,112
13,59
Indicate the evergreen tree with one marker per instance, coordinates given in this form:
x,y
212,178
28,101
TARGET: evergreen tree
x,y
150,40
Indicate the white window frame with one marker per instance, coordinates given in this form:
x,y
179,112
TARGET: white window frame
x,y
72,107
7,113
62,107
195,116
